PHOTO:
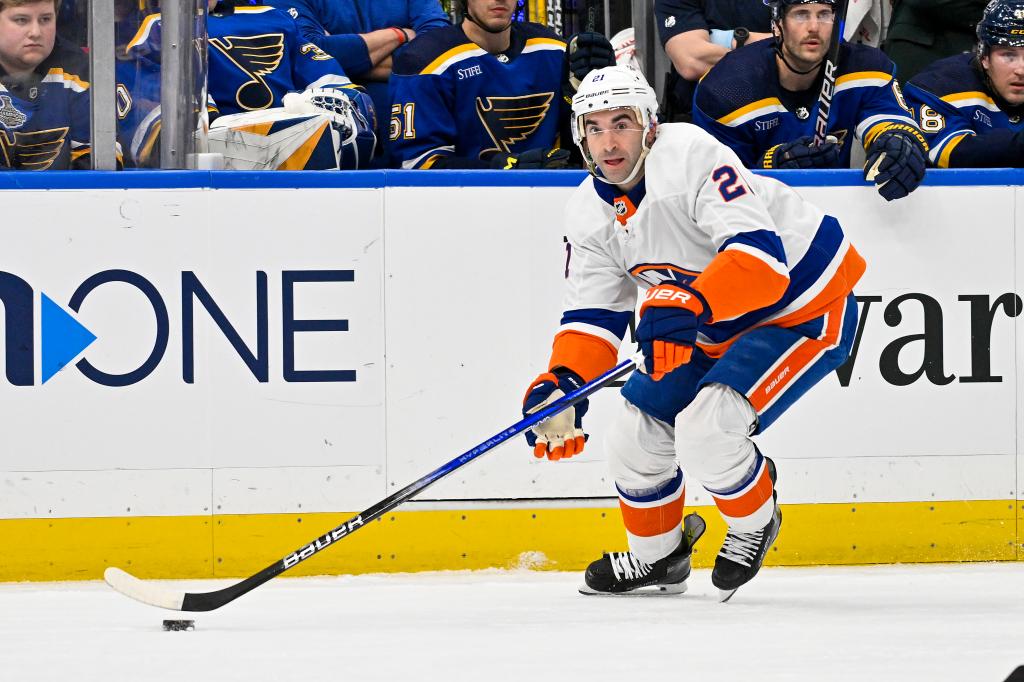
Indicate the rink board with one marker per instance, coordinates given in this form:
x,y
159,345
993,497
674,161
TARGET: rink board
x,y
268,359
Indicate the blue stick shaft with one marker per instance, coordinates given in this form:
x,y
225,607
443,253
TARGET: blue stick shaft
x,y
208,601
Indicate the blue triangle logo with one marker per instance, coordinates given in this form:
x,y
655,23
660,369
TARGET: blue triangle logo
x,y
62,336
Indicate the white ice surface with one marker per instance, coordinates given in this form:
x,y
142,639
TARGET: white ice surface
x,y
925,622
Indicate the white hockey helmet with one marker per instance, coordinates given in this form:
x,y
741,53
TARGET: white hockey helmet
x,y
614,87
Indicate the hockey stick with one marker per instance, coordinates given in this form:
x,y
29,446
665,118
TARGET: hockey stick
x,y
828,83
156,595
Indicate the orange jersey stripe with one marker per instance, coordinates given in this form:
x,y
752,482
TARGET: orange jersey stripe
x,y
648,522
750,501
736,282
837,289
790,366
847,275
587,355
638,270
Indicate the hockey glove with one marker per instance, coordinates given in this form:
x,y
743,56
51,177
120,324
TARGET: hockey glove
x,y
801,153
561,436
670,316
585,52
896,161
531,159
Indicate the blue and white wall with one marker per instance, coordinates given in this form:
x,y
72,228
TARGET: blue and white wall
x,y
273,350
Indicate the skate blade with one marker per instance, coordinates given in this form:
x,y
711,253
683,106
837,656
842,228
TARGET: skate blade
x,y
650,591
726,595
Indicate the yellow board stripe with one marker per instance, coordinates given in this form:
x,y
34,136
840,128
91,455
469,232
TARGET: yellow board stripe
x,y
553,539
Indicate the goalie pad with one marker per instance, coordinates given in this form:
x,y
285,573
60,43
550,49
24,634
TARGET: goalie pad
x,y
315,130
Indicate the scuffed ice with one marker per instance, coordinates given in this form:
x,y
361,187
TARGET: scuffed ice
x,y
925,622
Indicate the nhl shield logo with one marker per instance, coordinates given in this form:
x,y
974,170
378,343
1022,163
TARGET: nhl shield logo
x,y
10,117
802,113
620,207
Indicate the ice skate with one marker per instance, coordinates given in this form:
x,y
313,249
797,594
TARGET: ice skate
x,y
621,573
742,554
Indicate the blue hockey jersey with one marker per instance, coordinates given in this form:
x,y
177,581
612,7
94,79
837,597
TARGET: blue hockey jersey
x,y
954,103
44,120
256,55
452,98
741,102
336,25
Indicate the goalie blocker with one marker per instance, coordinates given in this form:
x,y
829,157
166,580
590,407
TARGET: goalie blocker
x,y
317,129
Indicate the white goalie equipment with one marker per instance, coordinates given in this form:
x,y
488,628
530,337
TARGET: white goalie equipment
x,y
317,129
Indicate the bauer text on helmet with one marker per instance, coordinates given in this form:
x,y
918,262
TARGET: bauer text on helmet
x,y
615,87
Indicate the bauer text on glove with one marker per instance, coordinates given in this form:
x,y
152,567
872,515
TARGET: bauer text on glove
x,y
670,317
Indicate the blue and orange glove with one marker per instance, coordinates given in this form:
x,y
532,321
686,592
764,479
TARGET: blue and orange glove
x,y
670,316
561,436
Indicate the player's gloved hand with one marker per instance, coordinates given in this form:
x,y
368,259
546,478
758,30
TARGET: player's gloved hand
x,y
896,161
802,153
561,436
670,316
531,159
585,52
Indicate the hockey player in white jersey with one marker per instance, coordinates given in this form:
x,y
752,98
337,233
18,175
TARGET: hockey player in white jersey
x,y
745,303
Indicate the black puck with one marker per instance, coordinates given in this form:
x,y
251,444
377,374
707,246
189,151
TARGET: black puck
x,y
172,625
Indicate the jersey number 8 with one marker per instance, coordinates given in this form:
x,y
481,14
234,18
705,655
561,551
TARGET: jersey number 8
x,y
931,120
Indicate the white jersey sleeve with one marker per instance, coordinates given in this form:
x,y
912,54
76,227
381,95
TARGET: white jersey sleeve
x,y
599,294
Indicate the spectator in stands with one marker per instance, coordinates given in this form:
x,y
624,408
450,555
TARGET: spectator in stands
x,y
44,91
762,100
922,31
695,35
970,106
364,35
489,92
